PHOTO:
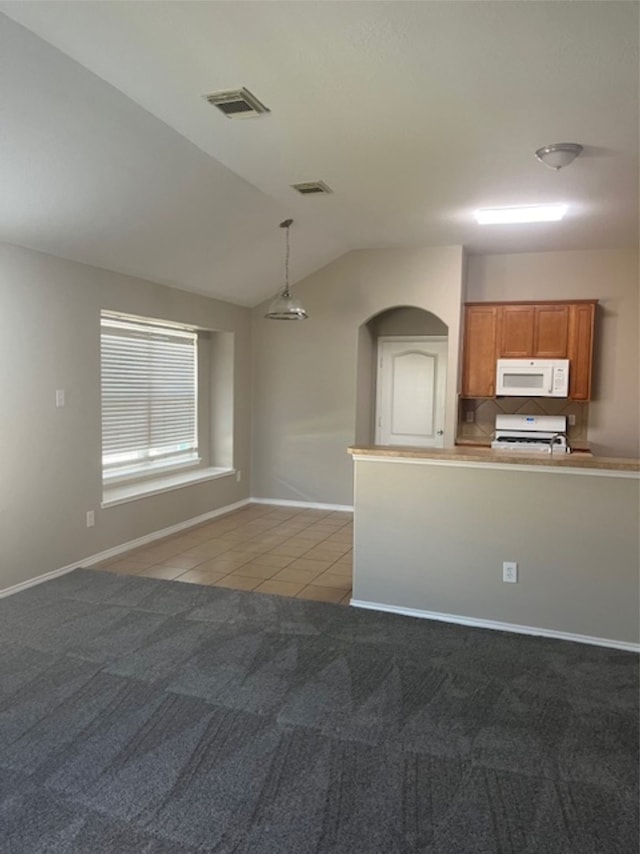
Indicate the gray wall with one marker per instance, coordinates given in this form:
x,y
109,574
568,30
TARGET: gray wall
x,y
610,276
50,472
433,538
305,380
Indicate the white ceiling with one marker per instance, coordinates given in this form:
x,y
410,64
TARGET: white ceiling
x,y
415,113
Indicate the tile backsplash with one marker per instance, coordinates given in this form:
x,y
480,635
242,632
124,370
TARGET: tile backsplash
x,y
482,427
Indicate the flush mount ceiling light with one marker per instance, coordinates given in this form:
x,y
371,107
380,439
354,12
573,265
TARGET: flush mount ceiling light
x,y
285,306
527,213
558,154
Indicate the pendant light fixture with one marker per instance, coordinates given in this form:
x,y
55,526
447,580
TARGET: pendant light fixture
x,y
285,306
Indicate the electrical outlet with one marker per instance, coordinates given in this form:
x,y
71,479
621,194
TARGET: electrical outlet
x,y
571,419
60,397
91,518
238,476
510,571
471,416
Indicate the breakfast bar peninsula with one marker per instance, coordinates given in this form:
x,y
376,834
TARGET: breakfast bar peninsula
x,y
433,528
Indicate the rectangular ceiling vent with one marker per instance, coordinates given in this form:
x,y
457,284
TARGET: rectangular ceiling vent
x,y
237,103
312,188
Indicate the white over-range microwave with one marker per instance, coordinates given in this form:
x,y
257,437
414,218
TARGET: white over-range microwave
x,y
532,378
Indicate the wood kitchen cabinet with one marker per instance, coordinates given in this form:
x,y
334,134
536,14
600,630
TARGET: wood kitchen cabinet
x,y
580,349
551,331
480,351
534,331
517,330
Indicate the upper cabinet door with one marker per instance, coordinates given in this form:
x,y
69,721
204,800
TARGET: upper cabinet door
x,y
582,319
479,351
516,331
551,332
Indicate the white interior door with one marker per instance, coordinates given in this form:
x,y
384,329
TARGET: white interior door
x,y
411,391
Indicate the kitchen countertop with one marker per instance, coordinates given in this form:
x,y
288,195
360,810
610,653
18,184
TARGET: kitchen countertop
x,y
478,454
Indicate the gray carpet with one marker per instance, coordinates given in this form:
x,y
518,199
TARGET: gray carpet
x,y
147,716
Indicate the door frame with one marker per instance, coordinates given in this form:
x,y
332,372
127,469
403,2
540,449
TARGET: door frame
x,y
383,339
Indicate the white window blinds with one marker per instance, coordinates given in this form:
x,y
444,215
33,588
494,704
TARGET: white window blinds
x,y
149,395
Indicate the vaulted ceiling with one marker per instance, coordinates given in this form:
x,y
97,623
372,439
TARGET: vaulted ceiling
x,y
414,113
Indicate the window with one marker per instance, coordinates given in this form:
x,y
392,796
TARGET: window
x,y
149,377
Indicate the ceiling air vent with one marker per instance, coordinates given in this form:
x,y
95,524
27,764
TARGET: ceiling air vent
x,y
237,104
312,188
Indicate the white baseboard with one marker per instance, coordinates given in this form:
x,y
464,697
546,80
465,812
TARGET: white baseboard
x,y
39,579
124,547
496,626
305,505
164,532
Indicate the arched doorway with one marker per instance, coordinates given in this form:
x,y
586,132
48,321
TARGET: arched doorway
x,y
401,378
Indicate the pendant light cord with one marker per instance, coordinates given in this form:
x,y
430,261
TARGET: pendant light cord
x,y
286,225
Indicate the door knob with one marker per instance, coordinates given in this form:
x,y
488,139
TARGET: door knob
x,y
440,433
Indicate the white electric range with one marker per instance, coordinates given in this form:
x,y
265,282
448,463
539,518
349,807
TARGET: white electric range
x,y
531,434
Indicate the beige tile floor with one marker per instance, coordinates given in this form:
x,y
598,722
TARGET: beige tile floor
x,y
266,548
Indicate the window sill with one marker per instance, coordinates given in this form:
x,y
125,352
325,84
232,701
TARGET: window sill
x,y
121,494
139,473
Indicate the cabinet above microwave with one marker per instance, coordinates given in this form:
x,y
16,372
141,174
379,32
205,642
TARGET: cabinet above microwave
x,y
534,330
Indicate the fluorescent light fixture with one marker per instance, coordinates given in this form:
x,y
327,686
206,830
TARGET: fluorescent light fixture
x,y
528,213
